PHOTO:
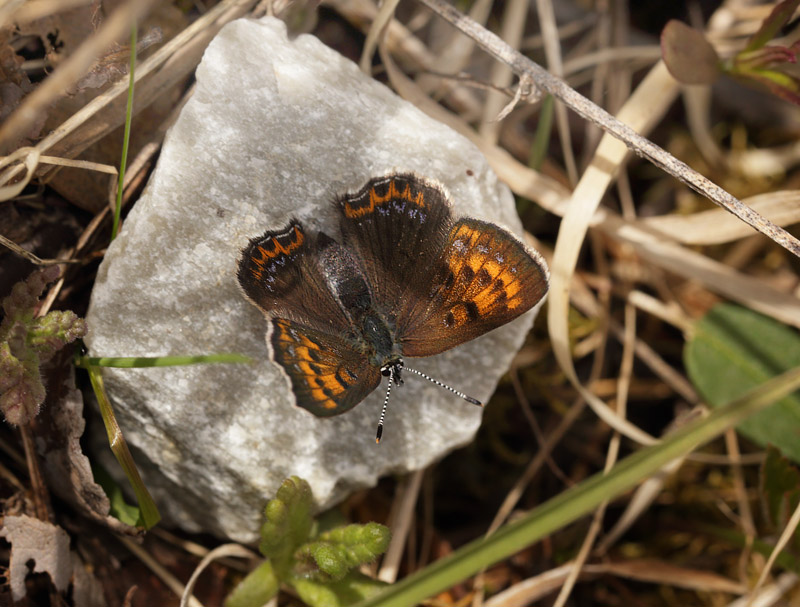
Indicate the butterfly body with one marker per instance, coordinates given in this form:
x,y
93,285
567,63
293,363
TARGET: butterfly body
x,y
406,280
371,330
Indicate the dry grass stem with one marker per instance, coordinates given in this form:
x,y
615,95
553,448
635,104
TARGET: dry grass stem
x,y
403,514
223,551
552,50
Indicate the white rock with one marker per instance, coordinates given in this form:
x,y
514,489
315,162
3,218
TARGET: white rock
x,y
274,129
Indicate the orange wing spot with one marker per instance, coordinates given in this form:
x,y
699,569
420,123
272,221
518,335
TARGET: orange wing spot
x,y
376,199
503,290
418,200
329,382
474,262
512,288
319,397
279,248
352,212
457,316
484,302
305,342
477,262
493,268
468,234
511,291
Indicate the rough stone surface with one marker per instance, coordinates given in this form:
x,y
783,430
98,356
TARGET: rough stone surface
x,y
275,128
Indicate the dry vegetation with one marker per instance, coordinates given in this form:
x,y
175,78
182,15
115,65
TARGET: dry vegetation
x,y
638,258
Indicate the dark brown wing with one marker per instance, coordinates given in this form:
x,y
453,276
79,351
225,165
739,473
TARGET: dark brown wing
x,y
397,225
484,279
280,274
329,376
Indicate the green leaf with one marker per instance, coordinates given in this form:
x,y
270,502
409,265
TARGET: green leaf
x,y
256,589
348,591
336,552
741,540
689,57
137,362
27,342
120,508
288,523
733,350
780,486
544,127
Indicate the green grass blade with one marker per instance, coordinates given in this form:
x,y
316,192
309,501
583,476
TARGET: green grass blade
x,y
132,362
126,136
147,507
578,501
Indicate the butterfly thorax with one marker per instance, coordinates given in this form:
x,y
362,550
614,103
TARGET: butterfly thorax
x,y
371,330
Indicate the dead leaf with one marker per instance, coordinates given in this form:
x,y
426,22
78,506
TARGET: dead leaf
x,y
114,64
42,542
14,82
66,468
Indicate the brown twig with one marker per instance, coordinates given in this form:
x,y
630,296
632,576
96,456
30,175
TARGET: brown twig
x,y
641,146
41,498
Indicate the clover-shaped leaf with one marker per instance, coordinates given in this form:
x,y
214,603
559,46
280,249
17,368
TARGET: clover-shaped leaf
x,y
691,59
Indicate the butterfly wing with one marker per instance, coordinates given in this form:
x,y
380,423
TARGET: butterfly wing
x,y
484,278
279,273
441,283
328,375
397,225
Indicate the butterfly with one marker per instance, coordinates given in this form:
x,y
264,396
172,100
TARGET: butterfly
x,y
406,280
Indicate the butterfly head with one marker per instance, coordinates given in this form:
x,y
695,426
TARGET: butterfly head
x,y
392,368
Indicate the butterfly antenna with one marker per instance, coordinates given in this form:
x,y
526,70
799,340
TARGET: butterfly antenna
x,y
469,399
383,411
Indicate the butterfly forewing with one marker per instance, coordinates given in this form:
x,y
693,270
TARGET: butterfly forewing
x,y
279,272
397,225
329,376
485,278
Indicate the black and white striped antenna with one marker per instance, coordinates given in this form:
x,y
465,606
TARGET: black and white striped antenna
x,y
393,373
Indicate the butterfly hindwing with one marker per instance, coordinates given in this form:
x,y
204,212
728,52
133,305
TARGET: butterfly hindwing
x,y
329,375
485,278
